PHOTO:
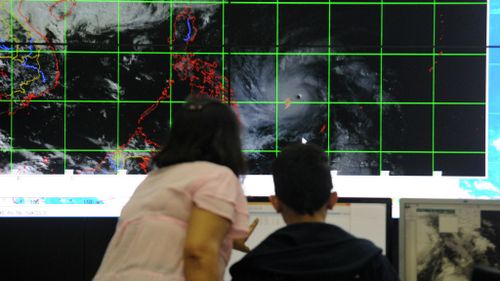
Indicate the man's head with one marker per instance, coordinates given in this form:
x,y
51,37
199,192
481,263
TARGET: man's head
x,y
302,183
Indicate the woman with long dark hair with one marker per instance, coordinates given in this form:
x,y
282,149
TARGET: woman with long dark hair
x,y
181,221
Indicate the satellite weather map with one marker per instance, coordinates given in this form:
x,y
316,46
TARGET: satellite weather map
x,y
404,87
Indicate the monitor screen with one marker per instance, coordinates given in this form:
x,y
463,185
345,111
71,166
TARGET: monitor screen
x,y
444,239
367,218
402,96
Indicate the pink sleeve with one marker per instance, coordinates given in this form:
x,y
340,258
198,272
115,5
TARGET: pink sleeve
x,y
222,195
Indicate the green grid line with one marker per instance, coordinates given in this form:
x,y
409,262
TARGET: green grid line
x,y
11,160
434,65
360,103
170,70
276,53
77,150
357,3
224,51
276,84
270,2
381,86
410,152
329,86
258,102
65,107
118,86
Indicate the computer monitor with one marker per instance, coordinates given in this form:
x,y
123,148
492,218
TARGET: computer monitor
x,y
368,218
445,239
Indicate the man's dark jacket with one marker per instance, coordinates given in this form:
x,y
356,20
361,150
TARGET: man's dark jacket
x,y
313,251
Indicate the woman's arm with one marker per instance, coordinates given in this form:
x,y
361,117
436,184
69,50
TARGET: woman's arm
x,y
205,234
240,244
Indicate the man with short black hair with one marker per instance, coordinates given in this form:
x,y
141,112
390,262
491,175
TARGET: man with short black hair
x,y
308,248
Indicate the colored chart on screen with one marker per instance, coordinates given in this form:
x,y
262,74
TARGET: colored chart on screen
x,y
92,86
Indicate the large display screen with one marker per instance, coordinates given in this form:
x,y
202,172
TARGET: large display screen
x,y
401,95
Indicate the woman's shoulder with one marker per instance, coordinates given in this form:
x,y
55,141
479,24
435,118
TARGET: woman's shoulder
x,y
199,168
